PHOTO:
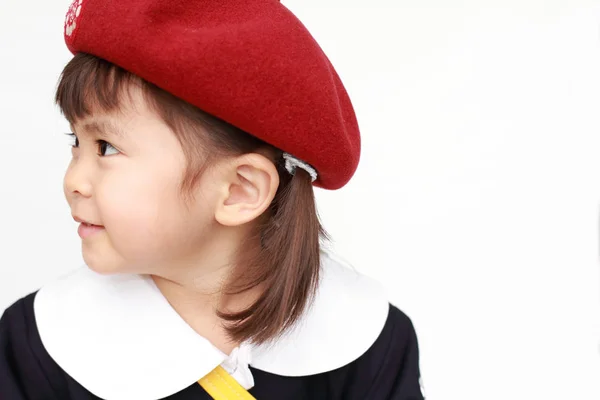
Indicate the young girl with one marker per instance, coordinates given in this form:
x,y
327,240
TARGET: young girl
x,y
199,130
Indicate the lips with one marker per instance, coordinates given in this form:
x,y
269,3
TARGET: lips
x,y
84,222
85,230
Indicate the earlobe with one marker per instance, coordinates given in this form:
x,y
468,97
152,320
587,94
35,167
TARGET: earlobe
x,y
251,184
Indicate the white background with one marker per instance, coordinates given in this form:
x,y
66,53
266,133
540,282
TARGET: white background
x,y
476,202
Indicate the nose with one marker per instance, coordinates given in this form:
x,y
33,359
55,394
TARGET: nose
x,y
77,180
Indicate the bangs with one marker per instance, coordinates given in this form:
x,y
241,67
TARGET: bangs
x,y
92,85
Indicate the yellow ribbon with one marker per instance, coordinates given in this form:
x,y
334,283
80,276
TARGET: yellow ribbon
x,y
222,386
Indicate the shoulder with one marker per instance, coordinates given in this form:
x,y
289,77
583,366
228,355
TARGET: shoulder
x,y
352,334
398,333
17,323
26,369
397,344
351,343
390,368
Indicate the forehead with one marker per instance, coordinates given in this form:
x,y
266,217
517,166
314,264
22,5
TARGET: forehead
x,y
128,108
103,126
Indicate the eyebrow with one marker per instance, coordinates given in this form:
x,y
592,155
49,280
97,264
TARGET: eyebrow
x,y
103,128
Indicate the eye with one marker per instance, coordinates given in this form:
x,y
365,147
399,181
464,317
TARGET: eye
x,y
104,146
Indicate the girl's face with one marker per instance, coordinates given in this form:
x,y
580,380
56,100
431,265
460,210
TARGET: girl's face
x,y
124,176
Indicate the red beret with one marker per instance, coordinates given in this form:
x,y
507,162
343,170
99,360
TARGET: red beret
x,y
251,63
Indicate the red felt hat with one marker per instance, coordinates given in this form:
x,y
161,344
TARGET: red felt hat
x,y
251,63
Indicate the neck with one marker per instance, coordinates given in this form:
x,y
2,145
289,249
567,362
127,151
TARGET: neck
x,y
196,293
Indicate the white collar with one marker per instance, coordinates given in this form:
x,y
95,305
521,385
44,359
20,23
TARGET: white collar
x,y
119,337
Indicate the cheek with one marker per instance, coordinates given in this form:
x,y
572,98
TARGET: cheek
x,y
143,215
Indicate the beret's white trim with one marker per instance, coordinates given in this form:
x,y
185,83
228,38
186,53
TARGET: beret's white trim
x,y
291,163
119,338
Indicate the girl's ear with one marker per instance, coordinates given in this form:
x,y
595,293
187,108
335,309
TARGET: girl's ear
x,y
247,188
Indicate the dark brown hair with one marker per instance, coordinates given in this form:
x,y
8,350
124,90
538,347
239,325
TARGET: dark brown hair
x,y
286,262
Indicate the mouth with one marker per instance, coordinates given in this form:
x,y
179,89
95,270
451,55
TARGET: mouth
x,y
86,230
86,223
91,225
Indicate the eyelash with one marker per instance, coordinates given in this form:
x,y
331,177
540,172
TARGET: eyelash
x,y
99,143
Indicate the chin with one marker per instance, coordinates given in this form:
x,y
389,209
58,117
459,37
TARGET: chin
x,y
103,268
102,263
